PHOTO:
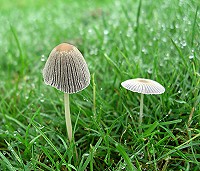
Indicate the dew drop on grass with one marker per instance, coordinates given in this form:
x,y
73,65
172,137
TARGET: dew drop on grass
x,y
189,22
163,27
161,64
144,50
154,38
42,58
86,154
181,3
149,71
141,155
90,30
164,39
191,56
41,127
183,43
93,51
172,27
32,85
15,133
150,43
166,58
85,99
151,29
123,166
125,142
176,26
105,32
176,41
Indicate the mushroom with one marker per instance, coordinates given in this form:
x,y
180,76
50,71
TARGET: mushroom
x,y
143,86
67,71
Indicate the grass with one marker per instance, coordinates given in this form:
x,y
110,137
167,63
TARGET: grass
x,y
159,40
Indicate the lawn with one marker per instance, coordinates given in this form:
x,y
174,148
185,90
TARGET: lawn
x,y
120,40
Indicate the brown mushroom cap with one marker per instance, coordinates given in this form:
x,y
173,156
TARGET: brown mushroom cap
x,y
144,86
66,69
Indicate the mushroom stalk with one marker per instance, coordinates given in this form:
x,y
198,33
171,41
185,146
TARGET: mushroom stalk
x,y
67,116
143,86
141,109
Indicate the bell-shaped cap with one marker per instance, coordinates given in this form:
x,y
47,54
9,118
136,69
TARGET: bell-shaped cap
x,y
66,69
144,86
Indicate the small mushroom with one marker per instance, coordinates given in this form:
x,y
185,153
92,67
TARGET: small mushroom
x,y
67,71
143,86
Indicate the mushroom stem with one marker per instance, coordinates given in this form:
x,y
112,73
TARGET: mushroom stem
x,y
67,116
141,110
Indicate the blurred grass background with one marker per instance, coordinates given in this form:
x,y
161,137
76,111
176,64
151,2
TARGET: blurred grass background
x,y
119,40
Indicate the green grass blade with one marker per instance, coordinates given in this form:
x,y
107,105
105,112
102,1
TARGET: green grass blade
x,y
138,16
121,150
170,122
16,121
170,133
9,165
180,53
48,155
193,27
112,63
54,147
15,154
43,165
90,156
22,60
28,127
182,146
151,128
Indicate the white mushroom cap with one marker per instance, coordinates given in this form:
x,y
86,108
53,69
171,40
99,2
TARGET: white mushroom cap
x,y
66,69
144,86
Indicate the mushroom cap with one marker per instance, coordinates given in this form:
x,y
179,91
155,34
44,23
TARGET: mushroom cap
x,y
66,69
144,86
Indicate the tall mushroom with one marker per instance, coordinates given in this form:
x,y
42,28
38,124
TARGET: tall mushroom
x,y
67,71
143,86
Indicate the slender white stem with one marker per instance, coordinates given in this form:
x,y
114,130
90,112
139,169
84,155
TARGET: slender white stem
x,y
67,116
141,109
